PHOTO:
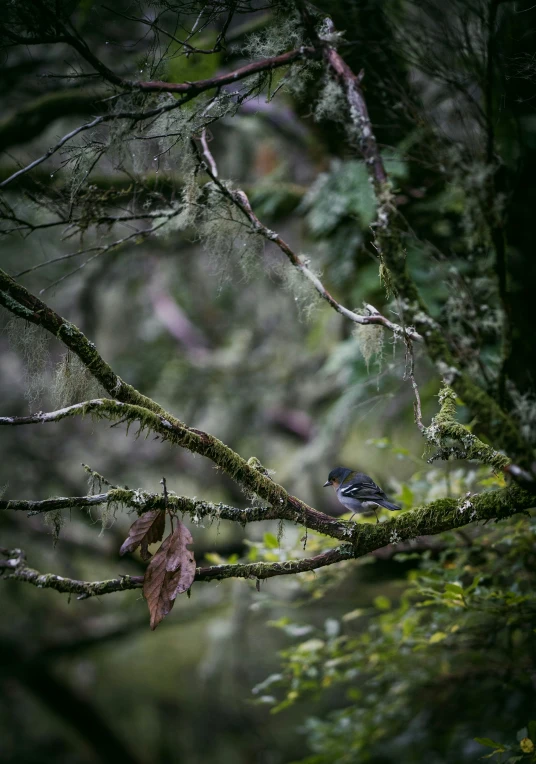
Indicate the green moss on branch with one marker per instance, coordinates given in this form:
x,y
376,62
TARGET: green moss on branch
x,y
452,439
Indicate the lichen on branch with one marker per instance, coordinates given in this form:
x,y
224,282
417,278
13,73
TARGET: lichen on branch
x,y
454,440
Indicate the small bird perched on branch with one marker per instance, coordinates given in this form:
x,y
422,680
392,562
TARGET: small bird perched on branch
x,y
358,492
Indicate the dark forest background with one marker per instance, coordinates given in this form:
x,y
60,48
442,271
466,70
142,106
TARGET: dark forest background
x,y
394,657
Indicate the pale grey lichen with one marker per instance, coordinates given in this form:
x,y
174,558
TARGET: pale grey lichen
x,y
73,382
30,342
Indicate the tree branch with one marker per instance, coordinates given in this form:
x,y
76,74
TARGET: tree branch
x,y
492,419
142,501
25,305
247,474
34,117
199,86
192,90
428,520
158,86
241,201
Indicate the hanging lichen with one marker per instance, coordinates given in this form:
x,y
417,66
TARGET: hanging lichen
x,y
302,289
108,515
73,382
370,339
54,520
30,342
228,236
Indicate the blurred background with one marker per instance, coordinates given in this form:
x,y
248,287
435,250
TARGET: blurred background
x,y
227,339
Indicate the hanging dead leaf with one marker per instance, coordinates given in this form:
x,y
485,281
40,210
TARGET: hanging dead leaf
x,y
147,529
170,572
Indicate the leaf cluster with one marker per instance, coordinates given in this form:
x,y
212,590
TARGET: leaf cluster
x,y
463,628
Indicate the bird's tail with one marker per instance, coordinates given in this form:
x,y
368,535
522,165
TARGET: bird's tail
x,y
387,504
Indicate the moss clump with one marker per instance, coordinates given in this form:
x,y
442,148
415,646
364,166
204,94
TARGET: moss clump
x,y
331,102
285,33
453,440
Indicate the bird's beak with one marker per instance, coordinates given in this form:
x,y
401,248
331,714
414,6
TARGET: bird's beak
x,y
326,484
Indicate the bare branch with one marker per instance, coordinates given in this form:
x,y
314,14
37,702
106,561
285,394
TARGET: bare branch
x,y
52,150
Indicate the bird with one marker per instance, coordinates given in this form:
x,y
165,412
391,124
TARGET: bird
x,y
358,492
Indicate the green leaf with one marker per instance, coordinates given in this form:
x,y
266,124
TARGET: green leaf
x,y
406,495
532,730
213,558
488,742
382,603
270,541
454,588
476,580
357,613
439,636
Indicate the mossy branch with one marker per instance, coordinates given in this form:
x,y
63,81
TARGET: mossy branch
x,y
131,405
143,501
14,567
19,301
453,440
248,475
362,539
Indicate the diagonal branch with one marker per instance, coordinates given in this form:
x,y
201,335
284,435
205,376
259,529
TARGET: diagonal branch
x,y
133,406
52,150
134,116
192,90
241,201
199,86
36,116
19,301
170,429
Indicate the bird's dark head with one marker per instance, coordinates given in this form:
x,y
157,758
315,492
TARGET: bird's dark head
x,y
336,476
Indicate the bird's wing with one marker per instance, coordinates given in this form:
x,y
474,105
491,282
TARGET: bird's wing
x,y
362,487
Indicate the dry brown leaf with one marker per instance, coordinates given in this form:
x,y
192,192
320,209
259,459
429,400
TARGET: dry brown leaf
x,y
170,572
147,529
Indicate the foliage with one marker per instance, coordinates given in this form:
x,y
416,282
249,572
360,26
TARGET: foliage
x,y
165,165
466,615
